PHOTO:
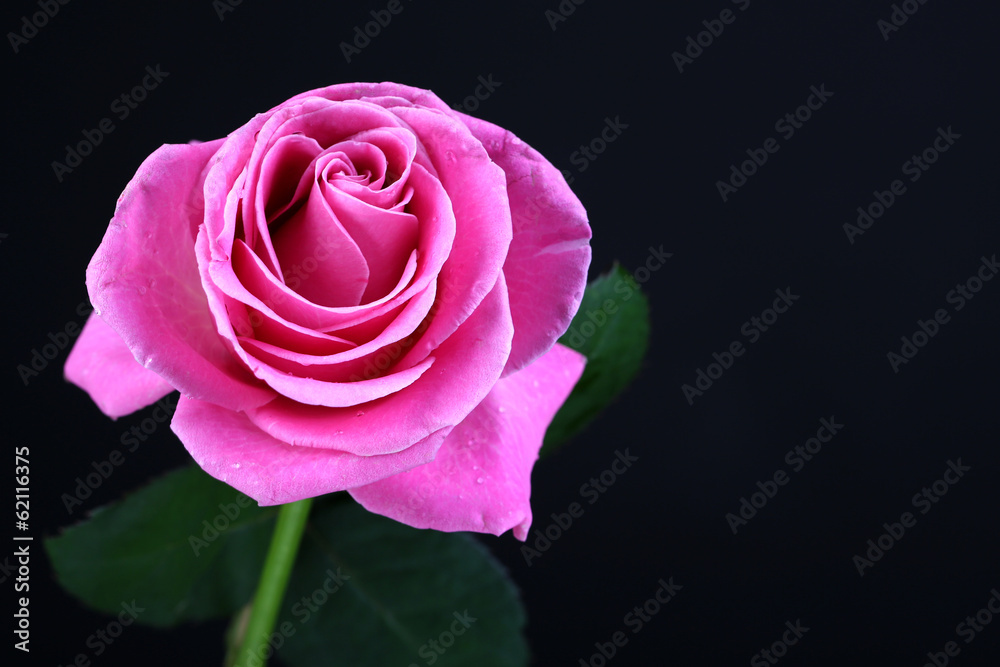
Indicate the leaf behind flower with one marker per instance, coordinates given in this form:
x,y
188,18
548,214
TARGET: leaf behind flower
x,y
611,329
401,596
154,547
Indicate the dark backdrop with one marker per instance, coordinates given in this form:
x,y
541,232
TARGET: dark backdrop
x,y
886,96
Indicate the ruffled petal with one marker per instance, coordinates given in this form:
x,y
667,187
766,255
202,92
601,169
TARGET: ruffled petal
x,y
480,479
546,266
144,281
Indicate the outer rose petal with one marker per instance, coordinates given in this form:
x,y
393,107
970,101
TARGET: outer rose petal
x,y
480,480
228,447
144,281
546,266
103,366
376,93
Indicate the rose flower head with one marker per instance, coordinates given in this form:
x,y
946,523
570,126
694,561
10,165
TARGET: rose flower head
x,y
360,289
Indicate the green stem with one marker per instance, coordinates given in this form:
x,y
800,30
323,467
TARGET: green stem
x,y
273,581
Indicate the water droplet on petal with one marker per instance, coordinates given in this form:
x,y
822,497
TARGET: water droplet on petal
x,y
142,289
236,465
361,413
449,155
502,409
479,480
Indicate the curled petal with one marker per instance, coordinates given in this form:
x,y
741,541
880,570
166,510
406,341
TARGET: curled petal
x,y
478,195
480,479
546,267
144,282
228,447
466,366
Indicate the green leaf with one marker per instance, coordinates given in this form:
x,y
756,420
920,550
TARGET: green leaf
x,y
612,330
365,590
368,592
186,548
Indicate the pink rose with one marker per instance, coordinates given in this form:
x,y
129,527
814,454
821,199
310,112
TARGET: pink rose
x,y
359,289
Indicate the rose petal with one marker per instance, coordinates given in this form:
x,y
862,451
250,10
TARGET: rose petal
x,y
228,447
385,238
256,286
102,365
143,281
480,479
311,391
474,183
245,149
367,360
386,94
546,266
318,257
466,367
281,173
324,122
281,170
477,190
398,148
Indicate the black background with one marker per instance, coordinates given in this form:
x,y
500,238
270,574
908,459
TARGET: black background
x,y
654,186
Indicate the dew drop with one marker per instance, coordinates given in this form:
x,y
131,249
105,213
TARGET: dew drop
x,y
479,480
450,156
236,465
502,409
534,383
142,289
361,413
